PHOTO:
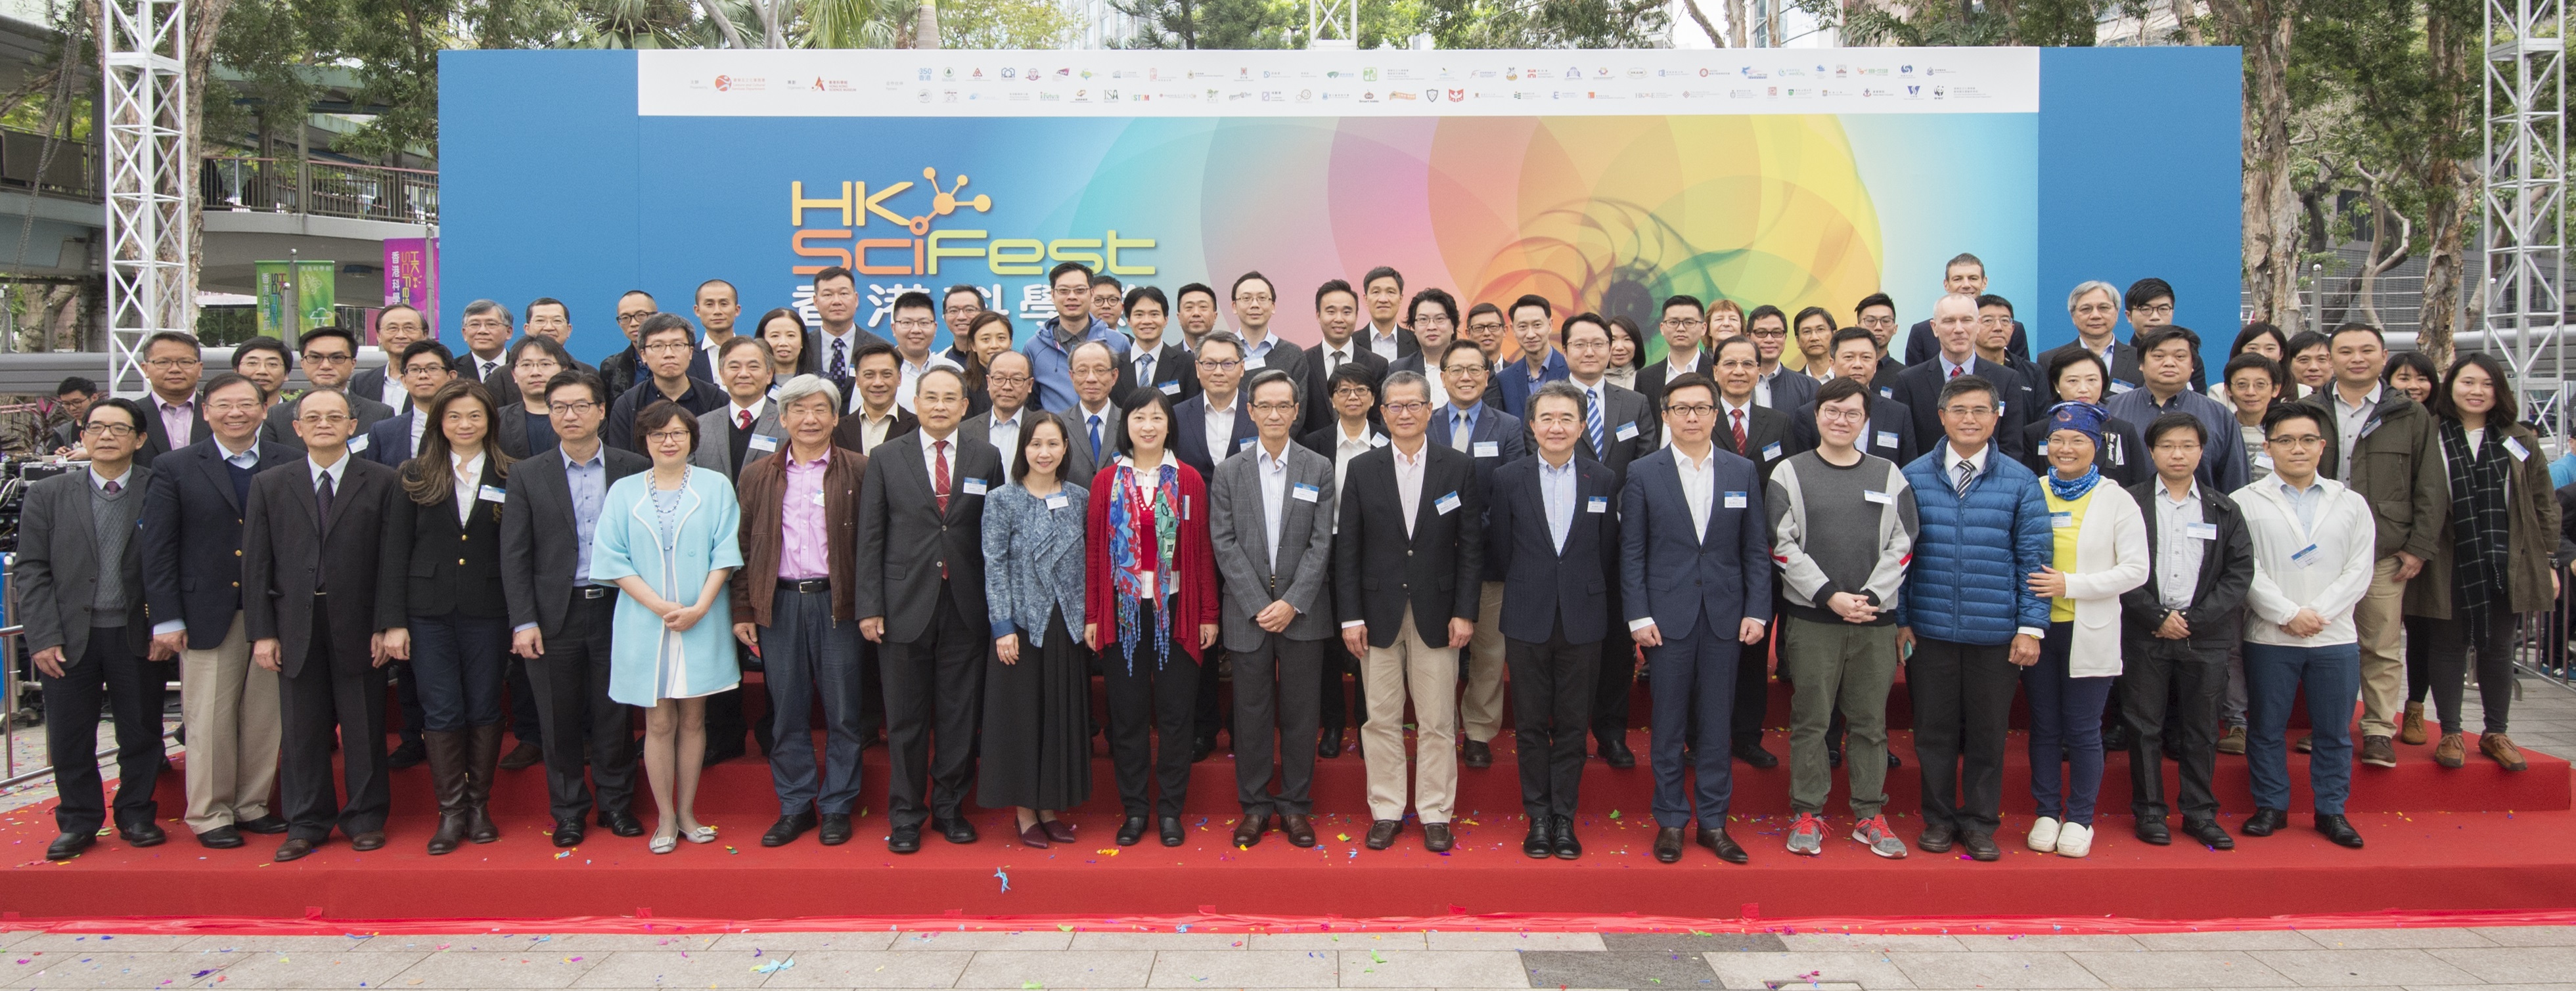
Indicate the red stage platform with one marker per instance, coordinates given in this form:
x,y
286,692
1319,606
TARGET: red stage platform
x,y
2472,839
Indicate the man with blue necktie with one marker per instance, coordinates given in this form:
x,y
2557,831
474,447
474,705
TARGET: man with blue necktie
x,y
1472,426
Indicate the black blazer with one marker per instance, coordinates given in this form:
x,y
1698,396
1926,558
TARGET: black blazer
x,y
1651,379
904,539
504,387
2124,367
1406,345
1378,570
156,439
1543,587
521,433
192,539
389,441
1624,408
1176,374
1315,392
1768,438
619,430
541,539
2122,454
2226,570
448,568
284,550
1189,432
1886,417
1919,388
279,427
852,431
371,384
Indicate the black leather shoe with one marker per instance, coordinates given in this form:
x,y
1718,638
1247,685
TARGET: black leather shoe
x,y
1617,754
1328,744
1540,844
1567,847
904,839
1668,844
834,829
2338,829
1479,754
370,840
1300,829
956,830
522,757
1894,761
2153,831
1436,838
1937,838
1200,748
719,755
2209,833
1981,847
1170,827
411,754
569,832
2264,822
292,849
1381,834
267,825
787,829
220,838
622,824
1752,753
69,845
142,834
1722,845
1834,758
1248,831
2116,737
1131,830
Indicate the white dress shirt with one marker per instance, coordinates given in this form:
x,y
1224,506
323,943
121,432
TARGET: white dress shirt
x,y
1107,414
247,457
336,470
1219,427
393,395
1145,359
468,480
1335,356
1699,485
419,423
1724,435
1273,473
1350,446
912,374
2177,551
1556,488
1004,433
734,411
930,463
1950,459
1408,482
1385,342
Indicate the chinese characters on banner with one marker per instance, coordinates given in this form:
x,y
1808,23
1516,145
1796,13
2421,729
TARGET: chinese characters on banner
x,y
411,278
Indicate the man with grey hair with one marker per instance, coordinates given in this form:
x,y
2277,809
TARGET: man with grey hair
x,y
1094,421
486,329
748,422
2094,306
1270,519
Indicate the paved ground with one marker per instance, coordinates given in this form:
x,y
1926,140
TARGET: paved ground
x,y
2382,958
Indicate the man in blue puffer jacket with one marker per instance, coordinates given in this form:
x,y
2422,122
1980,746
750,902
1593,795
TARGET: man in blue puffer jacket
x,y
1968,616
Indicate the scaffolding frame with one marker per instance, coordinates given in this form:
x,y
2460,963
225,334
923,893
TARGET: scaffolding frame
x,y
2524,196
143,45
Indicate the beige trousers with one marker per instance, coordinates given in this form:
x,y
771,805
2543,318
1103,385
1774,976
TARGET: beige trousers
x,y
2379,619
1430,671
1481,709
229,706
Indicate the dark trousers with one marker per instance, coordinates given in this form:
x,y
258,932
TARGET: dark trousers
x,y
1753,687
460,663
407,695
807,656
1340,710
2420,631
570,682
934,687
2490,636
1610,687
1207,717
1962,697
527,715
1270,706
1150,698
2066,731
2198,677
1551,685
134,688
329,693
1694,676
2275,676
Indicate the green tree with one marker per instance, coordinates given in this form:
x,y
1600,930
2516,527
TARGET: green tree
x,y
1003,23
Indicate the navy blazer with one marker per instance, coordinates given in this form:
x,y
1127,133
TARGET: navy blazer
x,y
1919,388
1721,580
1512,386
1542,586
1510,439
1189,431
389,441
192,539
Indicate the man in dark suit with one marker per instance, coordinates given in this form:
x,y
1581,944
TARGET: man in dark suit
x,y
330,355
921,599
398,325
1434,321
1625,427
79,577
192,561
1337,315
1964,274
1552,536
1408,566
1198,442
1473,426
310,594
1539,362
1354,397
1256,302
1995,329
1097,417
875,417
1382,291
1890,431
1692,511
172,365
1775,386
71,405
525,427
1955,322
486,358
2176,637
1685,331
426,367
2095,308
1152,361
668,345
1746,429
562,621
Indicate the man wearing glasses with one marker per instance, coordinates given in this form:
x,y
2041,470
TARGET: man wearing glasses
x,y
523,427
2150,305
426,367
1255,303
668,347
914,325
330,357
486,330
1491,438
2095,308
172,363
1272,525
1435,321
1051,348
1213,425
1685,329
1775,386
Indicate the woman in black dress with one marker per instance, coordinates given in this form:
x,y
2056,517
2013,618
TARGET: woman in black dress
x,y
1037,691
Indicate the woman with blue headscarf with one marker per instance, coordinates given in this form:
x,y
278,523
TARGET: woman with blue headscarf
x,y
2101,552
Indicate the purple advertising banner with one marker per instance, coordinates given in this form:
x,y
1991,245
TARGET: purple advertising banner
x,y
411,277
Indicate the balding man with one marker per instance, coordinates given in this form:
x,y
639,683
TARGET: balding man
x,y
1956,326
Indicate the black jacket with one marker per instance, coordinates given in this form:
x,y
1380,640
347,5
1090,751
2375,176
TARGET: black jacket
x,y
1919,388
285,551
156,439
448,568
904,538
1174,367
192,539
540,538
1315,391
1438,571
2217,599
1542,586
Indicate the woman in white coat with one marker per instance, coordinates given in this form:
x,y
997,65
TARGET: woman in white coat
x,y
2101,552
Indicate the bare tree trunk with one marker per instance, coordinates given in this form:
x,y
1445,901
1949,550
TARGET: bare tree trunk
x,y
1735,23
2270,251
773,32
2187,22
724,24
2450,185
925,32
2383,256
1713,36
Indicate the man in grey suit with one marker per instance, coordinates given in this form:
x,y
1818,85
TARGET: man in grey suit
x,y
80,594
748,421
1618,423
921,599
561,620
330,357
1273,538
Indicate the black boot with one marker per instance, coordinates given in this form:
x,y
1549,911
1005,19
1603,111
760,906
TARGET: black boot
x,y
483,756
446,755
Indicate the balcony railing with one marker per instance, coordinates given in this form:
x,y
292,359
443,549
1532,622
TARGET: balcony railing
x,y
328,189
73,171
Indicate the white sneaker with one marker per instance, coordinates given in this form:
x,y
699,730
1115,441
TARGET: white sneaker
x,y
2043,834
2074,840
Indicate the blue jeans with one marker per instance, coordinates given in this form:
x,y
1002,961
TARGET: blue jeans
x,y
459,662
2065,729
805,655
1694,679
2274,676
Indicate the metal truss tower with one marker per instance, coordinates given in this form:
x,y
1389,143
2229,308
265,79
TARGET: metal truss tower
x,y
143,45
2525,193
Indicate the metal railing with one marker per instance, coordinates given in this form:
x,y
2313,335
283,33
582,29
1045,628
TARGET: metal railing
x,y
73,171
328,189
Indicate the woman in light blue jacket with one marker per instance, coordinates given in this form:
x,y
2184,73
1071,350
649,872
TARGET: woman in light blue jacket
x,y
1037,692
666,537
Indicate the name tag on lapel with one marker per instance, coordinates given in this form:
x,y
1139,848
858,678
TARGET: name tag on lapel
x,y
1303,492
1887,438
358,444
2043,449
1880,498
2201,531
1886,393
1626,431
1771,451
1377,441
773,392
1446,504
972,486
1185,507
2513,446
1597,504
1058,501
2367,427
1489,449
1171,388
763,442
493,493
1735,500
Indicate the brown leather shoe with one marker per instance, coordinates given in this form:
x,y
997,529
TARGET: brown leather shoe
x,y
2410,727
2500,747
1248,831
522,757
2233,743
1668,844
292,849
1381,834
1300,830
1722,845
2306,743
369,840
2451,751
2377,751
1435,837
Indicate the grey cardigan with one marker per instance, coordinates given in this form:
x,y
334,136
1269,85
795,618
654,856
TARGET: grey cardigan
x,y
1033,558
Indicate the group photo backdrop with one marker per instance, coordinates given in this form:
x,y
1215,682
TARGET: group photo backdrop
x,y
1602,180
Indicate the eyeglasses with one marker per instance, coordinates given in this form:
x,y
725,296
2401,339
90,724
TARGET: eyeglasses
x,y
324,419
633,317
1406,406
175,362
922,323
1969,411
1471,371
409,370
1843,415
536,364
1690,410
1354,392
2302,440
1682,323
1253,297
667,436
1274,407
1588,346
571,409
2155,309
1769,332
312,358
108,431
1219,364
1877,322
1011,379
666,347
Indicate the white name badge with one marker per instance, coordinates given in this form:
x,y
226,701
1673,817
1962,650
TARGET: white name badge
x,y
1377,441
763,442
493,493
2043,449
2265,460
1446,504
2061,520
773,392
2514,445
1489,449
1886,393
1771,451
1306,493
2118,387
818,497
1735,500
1597,504
1251,363
358,444
1244,444
1058,501
1887,438
1626,431
1880,498
1172,388
2201,531
973,486
2306,557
